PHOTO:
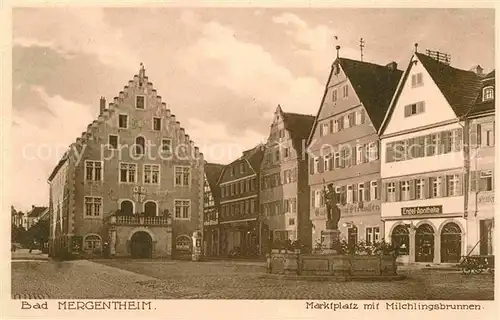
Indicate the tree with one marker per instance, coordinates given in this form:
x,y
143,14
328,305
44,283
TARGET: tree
x,y
39,233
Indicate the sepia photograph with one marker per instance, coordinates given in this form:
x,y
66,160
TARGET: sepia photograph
x,y
257,153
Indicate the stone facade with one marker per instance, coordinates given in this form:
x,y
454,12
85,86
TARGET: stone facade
x,y
134,161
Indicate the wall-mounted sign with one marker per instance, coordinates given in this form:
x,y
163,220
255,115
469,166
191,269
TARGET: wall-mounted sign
x,y
365,207
411,211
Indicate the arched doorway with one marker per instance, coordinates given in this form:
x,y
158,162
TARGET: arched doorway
x,y
451,243
150,209
400,238
424,244
126,208
141,245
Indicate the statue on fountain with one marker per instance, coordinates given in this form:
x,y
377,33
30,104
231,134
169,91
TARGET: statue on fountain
x,y
332,211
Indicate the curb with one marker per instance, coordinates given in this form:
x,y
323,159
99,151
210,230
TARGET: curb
x,y
333,278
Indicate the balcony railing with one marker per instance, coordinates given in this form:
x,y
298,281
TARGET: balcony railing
x,y
139,221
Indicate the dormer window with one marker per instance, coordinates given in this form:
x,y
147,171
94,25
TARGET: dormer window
x,y
488,93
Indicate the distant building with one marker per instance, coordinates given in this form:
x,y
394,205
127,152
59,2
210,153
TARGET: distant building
x,y
36,214
211,209
284,191
424,187
131,185
344,148
240,227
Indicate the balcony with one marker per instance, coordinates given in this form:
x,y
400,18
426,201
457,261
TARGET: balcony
x,y
139,221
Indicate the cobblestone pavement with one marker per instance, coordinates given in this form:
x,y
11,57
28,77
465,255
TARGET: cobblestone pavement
x,y
226,280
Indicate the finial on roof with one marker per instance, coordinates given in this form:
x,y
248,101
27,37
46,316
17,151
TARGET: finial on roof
x,y
416,47
142,71
338,48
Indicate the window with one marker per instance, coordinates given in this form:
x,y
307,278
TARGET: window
x,y
405,190
316,198
128,172
326,161
337,160
416,80
324,129
346,121
485,180
361,192
419,189
183,177
488,93
345,91
277,153
373,190
157,124
446,141
139,102
281,133
93,170
350,194
150,209
152,174
291,221
242,167
140,145
92,243
373,151
316,165
113,141
126,208
166,145
352,119
490,138
414,109
436,187
123,121
93,206
400,238
453,185
372,235
334,95
391,192
286,152
336,125
182,209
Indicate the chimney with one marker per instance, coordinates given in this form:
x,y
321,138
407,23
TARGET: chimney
x,y
392,66
477,70
102,105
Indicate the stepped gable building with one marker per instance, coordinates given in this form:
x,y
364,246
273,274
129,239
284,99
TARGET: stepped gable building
x,y
480,201
211,209
284,190
424,188
240,227
343,148
131,185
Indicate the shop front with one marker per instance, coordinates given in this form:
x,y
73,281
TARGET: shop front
x,y
240,238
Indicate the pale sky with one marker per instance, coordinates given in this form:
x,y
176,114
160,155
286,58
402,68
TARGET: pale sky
x,y
222,72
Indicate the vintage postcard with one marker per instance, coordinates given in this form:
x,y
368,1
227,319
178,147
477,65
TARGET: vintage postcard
x,y
290,161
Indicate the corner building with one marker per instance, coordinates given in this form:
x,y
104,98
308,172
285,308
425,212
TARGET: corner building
x,y
423,162
343,148
131,185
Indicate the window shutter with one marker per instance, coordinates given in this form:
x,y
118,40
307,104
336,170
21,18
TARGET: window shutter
x,y
355,193
313,200
413,79
478,136
444,185
439,142
473,135
407,111
398,190
428,181
342,158
331,126
353,156
368,187
458,140
311,165
379,189
384,191
330,162
460,185
421,107
412,189
362,116
377,146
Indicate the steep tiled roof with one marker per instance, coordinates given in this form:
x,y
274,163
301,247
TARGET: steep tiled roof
x,y
491,74
36,211
58,166
299,125
213,171
459,87
374,85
